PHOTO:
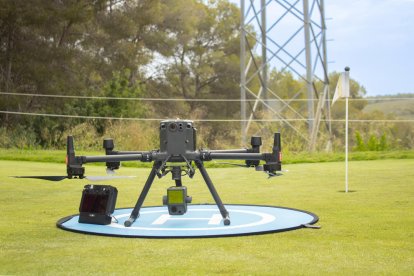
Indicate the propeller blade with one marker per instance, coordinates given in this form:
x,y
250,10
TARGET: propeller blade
x,y
103,178
62,177
273,174
234,164
45,177
259,168
270,174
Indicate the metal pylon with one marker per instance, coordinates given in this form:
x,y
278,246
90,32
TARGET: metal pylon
x,y
286,35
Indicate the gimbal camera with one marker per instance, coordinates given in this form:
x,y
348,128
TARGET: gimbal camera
x,y
177,155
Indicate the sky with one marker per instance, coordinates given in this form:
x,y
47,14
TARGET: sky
x,y
375,38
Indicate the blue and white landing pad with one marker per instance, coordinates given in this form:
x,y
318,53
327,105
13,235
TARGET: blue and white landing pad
x,y
200,221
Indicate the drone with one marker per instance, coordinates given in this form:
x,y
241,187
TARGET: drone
x,y
178,155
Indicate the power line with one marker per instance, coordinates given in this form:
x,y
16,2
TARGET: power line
x,y
181,99
115,98
199,120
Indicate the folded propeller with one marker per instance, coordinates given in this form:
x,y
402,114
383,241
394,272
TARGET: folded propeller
x,y
62,177
258,168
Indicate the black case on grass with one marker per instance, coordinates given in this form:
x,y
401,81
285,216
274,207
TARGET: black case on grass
x,y
97,204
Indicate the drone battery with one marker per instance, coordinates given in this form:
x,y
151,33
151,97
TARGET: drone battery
x,y
97,204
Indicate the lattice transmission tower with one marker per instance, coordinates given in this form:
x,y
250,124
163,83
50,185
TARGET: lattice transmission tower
x,y
279,36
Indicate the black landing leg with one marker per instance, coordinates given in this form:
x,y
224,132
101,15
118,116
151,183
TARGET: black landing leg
x,y
147,186
223,211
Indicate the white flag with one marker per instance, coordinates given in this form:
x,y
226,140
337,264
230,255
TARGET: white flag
x,y
342,88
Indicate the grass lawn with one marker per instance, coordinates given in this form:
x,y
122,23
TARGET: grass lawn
x,y
367,231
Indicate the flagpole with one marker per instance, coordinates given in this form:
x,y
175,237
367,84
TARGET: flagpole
x,y
342,91
346,144
346,94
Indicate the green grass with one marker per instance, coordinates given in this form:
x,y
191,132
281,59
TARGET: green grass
x,y
58,156
367,231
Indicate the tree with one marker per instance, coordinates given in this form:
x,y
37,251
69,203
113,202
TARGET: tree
x,y
204,62
65,48
40,54
118,87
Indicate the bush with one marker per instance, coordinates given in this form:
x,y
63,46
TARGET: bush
x,y
18,137
359,142
373,143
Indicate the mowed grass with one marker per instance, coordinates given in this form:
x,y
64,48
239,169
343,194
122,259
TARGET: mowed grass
x,y
367,231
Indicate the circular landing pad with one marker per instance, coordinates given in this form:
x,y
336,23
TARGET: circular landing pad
x,y
200,221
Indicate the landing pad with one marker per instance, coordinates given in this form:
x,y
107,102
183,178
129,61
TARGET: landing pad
x,y
200,221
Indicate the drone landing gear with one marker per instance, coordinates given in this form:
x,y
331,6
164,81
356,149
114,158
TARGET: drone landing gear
x,y
223,211
135,212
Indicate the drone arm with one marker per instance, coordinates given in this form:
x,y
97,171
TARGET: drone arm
x,y
272,160
110,158
251,156
236,156
108,145
115,152
74,163
114,164
230,151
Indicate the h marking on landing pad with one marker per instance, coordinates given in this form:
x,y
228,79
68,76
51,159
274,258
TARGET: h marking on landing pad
x,y
215,219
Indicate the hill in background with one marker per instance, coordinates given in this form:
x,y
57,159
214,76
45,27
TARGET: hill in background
x,y
401,105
